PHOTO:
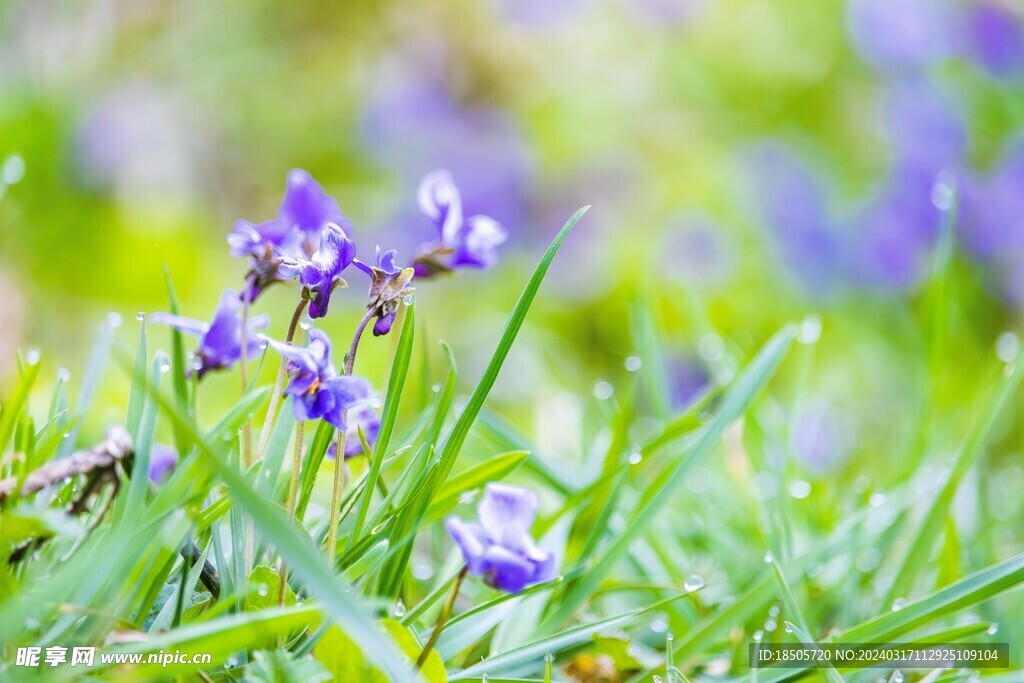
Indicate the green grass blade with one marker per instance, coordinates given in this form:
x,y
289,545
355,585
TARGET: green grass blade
x,y
12,409
179,367
973,445
137,392
740,395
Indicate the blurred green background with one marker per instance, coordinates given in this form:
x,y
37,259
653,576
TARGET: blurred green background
x,y
749,162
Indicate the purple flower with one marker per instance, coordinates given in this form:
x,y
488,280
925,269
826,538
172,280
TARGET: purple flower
x,y
996,38
293,236
499,548
220,340
388,285
362,417
317,390
463,242
322,271
162,461
901,34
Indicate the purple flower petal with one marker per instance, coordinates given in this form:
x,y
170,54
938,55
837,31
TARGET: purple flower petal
x,y
162,461
306,206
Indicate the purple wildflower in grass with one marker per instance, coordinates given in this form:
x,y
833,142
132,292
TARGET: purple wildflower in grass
x,y
294,235
499,548
317,390
463,241
220,340
388,285
162,461
362,417
322,271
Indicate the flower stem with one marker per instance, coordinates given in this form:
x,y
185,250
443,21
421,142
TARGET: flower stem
x,y
275,397
293,496
442,618
243,370
350,357
339,471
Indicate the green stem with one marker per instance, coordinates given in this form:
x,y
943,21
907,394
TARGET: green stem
x,y
293,496
275,397
442,618
339,472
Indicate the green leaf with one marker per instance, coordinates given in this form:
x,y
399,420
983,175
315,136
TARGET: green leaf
x,y
396,386
179,369
536,650
264,586
137,392
747,386
971,449
394,572
281,666
493,469
11,410
345,660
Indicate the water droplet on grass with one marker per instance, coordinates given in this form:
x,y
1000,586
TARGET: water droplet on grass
x,y
809,331
992,630
114,319
876,500
633,363
768,557
603,391
758,635
409,299
32,356
262,590
659,624
897,676
399,609
774,611
799,489
63,375
1008,347
635,458
693,582
770,625
898,604
140,316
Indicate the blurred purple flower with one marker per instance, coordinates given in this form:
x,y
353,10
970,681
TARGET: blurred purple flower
x,y
792,203
992,221
688,380
388,285
995,37
499,548
923,127
317,390
363,417
413,124
220,340
162,461
821,438
322,270
293,236
463,241
895,231
900,35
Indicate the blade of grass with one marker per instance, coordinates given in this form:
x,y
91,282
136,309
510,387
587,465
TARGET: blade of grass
x,y
137,392
747,386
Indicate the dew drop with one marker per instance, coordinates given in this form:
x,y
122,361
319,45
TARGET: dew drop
x,y
992,630
165,366
635,458
399,609
659,624
633,363
140,316
898,604
799,489
422,571
603,391
770,625
345,588
656,678
66,435
114,319
758,635
693,582
809,331
306,323
32,356
13,169
262,590
897,676
769,558
876,500
436,388
1008,347
789,627
774,611
409,299
711,347
944,191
